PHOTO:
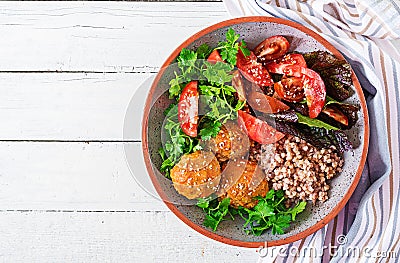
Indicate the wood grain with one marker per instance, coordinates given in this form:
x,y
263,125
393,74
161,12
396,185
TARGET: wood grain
x,y
108,237
98,36
73,177
79,106
66,190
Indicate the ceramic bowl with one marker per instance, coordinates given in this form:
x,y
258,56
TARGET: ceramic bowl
x,y
253,30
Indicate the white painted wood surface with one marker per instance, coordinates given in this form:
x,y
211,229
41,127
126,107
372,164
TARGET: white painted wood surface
x,y
103,37
108,237
67,106
68,71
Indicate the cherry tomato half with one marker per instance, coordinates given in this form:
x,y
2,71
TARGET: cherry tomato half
x,y
257,129
272,48
278,65
267,104
314,87
252,70
214,57
290,89
188,109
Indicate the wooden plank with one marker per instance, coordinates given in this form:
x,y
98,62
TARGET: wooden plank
x,y
70,106
98,36
73,177
108,237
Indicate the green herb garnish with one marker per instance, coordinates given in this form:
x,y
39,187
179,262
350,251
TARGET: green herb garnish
x,y
177,142
230,47
269,213
215,211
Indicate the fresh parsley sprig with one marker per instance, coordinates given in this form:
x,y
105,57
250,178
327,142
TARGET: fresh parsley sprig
x,y
177,142
210,128
269,213
190,65
215,211
231,46
220,98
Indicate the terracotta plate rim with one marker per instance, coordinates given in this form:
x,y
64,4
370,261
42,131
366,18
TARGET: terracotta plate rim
x,y
209,233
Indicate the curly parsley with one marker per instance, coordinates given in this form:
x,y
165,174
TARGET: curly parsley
x,y
269,213
231,46
177,142
215,211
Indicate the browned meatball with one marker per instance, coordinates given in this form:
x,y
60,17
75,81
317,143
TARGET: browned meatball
x,y
231,142
243,181
196,174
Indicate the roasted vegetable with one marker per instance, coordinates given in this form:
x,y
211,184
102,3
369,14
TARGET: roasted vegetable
x,y
319,137
349,110
335,73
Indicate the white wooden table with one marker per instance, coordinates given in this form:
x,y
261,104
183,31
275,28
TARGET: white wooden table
x,y
68,72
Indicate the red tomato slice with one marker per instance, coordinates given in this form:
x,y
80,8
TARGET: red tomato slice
x,y
290,89
272,48
278,65
257,129
188,109
214,57
314,87
252,70
336,114
267,104
299,71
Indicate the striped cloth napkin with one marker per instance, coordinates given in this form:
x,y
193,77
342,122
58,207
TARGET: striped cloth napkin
x,y
368,228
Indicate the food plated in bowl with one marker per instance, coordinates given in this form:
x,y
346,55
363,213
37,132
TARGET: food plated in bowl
x,y
259,119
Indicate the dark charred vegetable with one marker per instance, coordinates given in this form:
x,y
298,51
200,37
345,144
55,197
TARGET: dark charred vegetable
x,y
336,114
299,107
349,110
318,137
287,116
342,142
268,90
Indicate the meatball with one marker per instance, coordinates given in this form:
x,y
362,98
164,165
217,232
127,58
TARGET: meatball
x,y
196,174
243,181
231,142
